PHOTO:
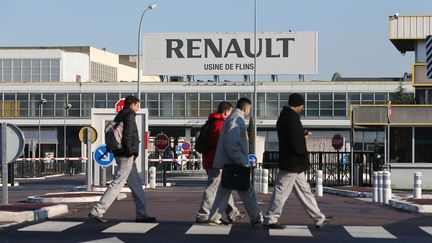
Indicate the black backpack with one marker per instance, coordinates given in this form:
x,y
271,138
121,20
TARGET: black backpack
x,y
202,145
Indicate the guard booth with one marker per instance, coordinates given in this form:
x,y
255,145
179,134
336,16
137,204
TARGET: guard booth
x,y
99,119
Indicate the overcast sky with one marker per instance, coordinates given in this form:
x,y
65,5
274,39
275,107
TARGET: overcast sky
x,y
353,35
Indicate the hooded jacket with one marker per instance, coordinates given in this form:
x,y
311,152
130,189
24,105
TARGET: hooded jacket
x,y
217,121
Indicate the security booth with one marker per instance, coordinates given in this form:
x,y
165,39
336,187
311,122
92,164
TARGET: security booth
x,y
99,119
408,140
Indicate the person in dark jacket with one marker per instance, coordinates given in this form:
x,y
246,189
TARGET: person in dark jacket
x,y
214,174
126,169
293,162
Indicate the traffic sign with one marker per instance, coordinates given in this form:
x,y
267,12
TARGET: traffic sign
x,y
14,141
83,134
178,149
252,160
119,105
161,141
102,156
186,145
344,159
337,141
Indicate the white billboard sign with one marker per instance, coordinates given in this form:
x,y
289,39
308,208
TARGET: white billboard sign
x,y
229,53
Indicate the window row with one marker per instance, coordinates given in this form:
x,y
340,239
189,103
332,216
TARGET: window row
x,y
29,70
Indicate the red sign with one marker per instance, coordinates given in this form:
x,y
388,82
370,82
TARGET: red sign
x,y
119,105
337,142
186,146
161,141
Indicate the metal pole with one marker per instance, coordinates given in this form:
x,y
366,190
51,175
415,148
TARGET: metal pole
x,y
39,132
255,105
64,141
5,195
139,55
89,161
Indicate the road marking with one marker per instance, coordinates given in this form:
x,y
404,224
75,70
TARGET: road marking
x,y
131,228
203,229
427,230
106,240
369,232
292,230
51,226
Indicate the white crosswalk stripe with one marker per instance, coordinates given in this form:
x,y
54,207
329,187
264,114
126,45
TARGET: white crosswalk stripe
x,y
203,229
130,228
292,230
51,226
427,230
106,240
374,232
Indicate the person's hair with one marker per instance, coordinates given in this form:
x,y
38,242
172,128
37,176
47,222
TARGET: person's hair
x,y
243,103
223,107
130,100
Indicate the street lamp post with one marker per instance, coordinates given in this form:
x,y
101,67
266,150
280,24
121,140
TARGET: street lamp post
x,y
41,103
150,7
66,107
255,104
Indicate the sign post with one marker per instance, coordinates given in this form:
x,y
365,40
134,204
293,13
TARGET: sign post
x,y
161,143
337,143
5,195
103,158
88,135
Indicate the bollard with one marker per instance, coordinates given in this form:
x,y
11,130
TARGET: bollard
x,y
264,181
257,180
417,193
152,177
319,183
380,186
387,193
375,187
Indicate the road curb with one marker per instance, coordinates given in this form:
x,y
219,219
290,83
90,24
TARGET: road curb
x,y
347,193
39,178
410,207
82,199
26,216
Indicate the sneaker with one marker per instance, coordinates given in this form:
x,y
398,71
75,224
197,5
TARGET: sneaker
x,y
97,218
217,222
146,220
237,217
322,222
200,220
257,224
276,225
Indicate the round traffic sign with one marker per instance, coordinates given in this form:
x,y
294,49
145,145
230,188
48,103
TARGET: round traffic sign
x,y
161,141
83,134
14,141
119,105
252,160
337,141
102,156
186,145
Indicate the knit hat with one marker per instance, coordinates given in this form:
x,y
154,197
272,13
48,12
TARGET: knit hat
x,y
295,100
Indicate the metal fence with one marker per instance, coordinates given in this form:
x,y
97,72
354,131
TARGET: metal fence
x,y
336,167
25,168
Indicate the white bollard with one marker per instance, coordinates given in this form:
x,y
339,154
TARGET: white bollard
x,y
264,181
257,180
380,186
375,187
417,193
387,193
319,183
152,177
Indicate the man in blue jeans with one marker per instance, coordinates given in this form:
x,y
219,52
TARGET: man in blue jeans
x,y
126,169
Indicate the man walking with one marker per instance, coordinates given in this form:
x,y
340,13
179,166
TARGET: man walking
x,y
293,162
214,174
233,147
126,169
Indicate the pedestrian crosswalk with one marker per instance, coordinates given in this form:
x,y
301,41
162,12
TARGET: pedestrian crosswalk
x,y
362,232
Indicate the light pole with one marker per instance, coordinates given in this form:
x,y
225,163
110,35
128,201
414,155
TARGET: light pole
x,y
66,107
41,103
150,7
255,104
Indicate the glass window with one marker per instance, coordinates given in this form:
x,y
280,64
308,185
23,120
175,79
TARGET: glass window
x,y
100,100
9,105
86,104
401,145
152,104
179,105
48,107
112,99
283,100
35,103
340,104
381,98
1,105
423,143
367,98
231,98
166,106
60,102
354,98
261,105
74,100
191,105
217,99
205,105
312,105
272,108
22,100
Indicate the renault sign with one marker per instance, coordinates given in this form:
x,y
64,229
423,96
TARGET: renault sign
x,y
229,53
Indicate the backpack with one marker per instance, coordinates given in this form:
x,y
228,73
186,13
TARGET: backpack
x,y
113,136
201,144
